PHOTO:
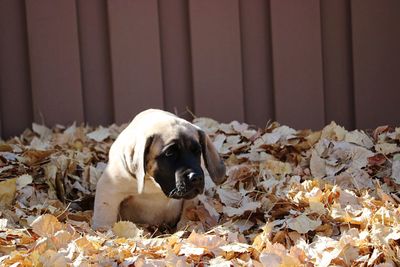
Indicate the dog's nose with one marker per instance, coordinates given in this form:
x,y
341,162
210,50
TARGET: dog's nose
x,y
194,177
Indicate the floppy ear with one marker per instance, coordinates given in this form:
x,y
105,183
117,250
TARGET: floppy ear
x,y
135,160
214,164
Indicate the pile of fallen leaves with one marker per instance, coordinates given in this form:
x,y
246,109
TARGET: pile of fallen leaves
x,y
292,198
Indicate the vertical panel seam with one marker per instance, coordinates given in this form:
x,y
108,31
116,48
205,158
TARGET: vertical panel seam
x,y
240,14
162,59
272,60
1,108
187,34
28,64
190,50
36,111
350,36
110,59
82,78
323,62
80,60
34,108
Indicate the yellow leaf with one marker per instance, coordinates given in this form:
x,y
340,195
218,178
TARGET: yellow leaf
x,y
126,229
7,192
333,132
278,167
53,258
62,238
46,225
87,245
7,249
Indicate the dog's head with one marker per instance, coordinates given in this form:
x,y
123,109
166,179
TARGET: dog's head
x,y
168,150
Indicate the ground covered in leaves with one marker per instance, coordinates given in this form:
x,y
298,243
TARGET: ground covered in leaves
x,y
292,198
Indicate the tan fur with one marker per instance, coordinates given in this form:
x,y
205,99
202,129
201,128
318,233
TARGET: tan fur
x,y
126,190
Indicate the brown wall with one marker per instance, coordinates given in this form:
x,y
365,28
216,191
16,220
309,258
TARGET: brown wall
x,y
303,63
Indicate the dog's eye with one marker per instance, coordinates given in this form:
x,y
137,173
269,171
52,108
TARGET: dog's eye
x,y
171,151
196,150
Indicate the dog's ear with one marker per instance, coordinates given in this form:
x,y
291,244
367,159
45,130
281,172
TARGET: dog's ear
x,y
135,159
214,164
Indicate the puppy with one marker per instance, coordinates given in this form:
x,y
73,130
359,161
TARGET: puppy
x,y
154,165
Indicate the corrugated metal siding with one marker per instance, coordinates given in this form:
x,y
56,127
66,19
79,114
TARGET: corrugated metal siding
x,y
301,63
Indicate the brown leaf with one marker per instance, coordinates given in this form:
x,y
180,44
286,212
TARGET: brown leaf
x,y
7,192
46,225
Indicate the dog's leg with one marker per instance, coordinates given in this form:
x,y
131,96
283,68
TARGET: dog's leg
x,y
106,205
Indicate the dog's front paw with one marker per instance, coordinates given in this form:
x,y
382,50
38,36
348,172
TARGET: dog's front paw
x,y
101,225
100,228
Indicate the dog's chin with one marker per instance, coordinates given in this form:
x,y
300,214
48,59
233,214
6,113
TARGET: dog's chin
x,y
176,194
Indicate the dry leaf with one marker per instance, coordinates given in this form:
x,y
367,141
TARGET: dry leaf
x,y
23,181
236,247
359,138
396,168
3,224
126,229
333,132
302,224
229,197
46,225
100,134
246,205
387,148
42,130
7,192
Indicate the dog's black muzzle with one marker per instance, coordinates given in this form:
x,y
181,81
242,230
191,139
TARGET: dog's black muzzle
x,y
189,184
